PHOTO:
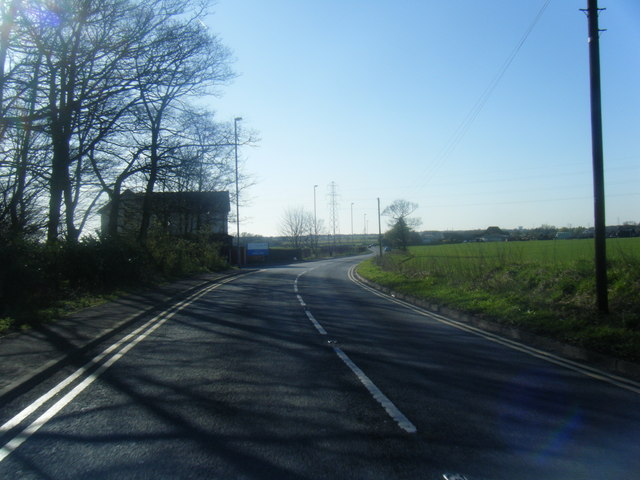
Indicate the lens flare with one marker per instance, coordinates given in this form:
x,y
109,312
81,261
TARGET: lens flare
x,y
538,417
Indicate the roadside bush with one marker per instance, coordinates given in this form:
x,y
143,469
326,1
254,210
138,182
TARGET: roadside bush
x,y
39,281
103,264
173,256
24,276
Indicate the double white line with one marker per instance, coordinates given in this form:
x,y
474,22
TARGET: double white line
x,y
89,372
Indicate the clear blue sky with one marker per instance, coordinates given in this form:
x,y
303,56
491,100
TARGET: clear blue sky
x,y
371,94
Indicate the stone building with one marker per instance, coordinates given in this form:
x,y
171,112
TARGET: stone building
x,y
173,213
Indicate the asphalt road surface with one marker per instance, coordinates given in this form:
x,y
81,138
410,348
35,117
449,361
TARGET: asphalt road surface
x,y
300,372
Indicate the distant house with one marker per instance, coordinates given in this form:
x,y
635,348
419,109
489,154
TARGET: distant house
x,y
564,235
431,237
173,213
627,230
494,234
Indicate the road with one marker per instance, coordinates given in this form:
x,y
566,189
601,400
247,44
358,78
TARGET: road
x,y
300,372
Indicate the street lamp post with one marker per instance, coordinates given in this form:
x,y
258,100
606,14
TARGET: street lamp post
x,y
315,220
235,133
351,224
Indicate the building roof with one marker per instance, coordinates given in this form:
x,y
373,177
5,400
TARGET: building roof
x,y
180,200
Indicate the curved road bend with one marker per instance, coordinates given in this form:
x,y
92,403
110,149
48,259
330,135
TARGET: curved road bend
x,y
298,372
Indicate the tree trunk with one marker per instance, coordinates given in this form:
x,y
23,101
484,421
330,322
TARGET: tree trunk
x,y
5,31
16,207
57,183
151,182
114,209
69,212
16,204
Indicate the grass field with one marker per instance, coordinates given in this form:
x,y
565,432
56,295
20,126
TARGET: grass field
x,y
554,252
547,287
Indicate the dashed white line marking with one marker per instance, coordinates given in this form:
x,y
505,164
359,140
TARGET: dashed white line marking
x,y
316,324
301,301
394,412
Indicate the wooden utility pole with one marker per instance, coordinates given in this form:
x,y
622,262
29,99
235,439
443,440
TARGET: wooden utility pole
x,y
379,231
602,297
235,135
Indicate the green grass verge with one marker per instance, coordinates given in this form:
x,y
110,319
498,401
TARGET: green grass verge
x,y
545,287
22,318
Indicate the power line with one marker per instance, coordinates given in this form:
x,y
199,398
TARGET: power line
x,y
473,113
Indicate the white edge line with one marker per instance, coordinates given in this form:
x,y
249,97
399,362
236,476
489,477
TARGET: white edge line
x,y
136,337
23,436
394,412
403,422
583,369
17,419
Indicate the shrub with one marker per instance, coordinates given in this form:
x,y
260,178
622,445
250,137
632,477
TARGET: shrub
x,y
36,278
173,256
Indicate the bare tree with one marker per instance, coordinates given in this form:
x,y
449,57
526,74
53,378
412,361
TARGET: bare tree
x,y
8,11
297,226
84,47
19,189
105,81
203,158
401,224
400,210
183,62
22,153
